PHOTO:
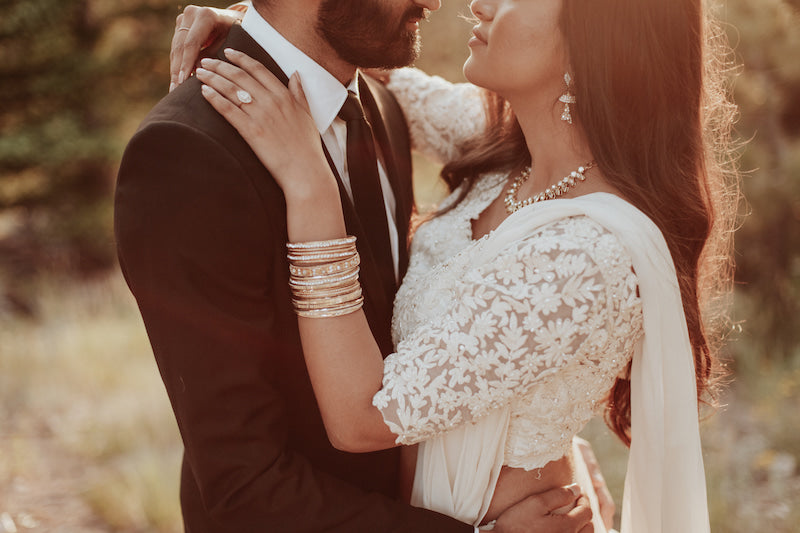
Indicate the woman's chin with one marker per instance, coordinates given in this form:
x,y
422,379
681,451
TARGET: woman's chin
x,y
473,73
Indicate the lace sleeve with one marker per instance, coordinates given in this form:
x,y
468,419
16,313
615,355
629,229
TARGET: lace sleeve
x,y
441,115
543,305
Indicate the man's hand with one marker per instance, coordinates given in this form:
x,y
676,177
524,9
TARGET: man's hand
x,y
536,513
199,32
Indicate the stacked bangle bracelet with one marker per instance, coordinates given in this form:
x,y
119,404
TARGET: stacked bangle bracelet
x,y
323,277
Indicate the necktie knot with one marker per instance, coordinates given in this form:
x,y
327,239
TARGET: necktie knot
x,y
352,108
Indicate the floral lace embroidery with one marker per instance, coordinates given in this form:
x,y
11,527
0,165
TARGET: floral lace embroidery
x,y
546,327
441,115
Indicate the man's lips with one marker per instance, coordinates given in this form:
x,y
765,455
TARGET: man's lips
x,y
415,15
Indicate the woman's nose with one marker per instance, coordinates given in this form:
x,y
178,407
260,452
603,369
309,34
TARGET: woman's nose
x,y
483,9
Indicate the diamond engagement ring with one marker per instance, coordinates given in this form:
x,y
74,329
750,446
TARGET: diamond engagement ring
x,y
244,96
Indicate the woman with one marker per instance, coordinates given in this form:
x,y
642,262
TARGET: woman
x,y
567,270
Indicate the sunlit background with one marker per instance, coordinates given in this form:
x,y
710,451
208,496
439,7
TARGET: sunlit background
x,y
87,439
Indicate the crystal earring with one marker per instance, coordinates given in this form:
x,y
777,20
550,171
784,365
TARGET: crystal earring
x,y
567,98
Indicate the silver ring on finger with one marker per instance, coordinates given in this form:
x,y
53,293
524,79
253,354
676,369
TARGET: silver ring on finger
x,y
244,96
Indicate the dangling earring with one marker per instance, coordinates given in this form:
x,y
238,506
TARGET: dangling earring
x,y
567,98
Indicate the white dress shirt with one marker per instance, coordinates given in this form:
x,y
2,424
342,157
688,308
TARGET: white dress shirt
x,y
325,95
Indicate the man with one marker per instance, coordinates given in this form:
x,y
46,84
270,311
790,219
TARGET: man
x,y
201,237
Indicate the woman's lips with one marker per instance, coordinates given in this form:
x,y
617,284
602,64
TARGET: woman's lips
x,y
477,38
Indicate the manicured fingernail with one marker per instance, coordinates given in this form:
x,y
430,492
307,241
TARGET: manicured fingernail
x,y
575,489
201,71
231,51
171,86
181,77
206,62
205,89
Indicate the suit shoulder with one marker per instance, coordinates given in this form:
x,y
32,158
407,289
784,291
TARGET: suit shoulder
x,y
186,107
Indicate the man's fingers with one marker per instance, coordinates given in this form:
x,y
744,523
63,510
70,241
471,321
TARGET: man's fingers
x,y
536,513
557,498
582,510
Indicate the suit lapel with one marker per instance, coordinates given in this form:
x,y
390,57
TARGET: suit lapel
x,y
378,305
238,39
403,198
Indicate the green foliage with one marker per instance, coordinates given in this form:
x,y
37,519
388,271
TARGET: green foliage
x,y
766,34
77,76
71,76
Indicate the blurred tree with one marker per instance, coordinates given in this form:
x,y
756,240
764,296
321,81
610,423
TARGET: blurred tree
x,y
75,78
766,34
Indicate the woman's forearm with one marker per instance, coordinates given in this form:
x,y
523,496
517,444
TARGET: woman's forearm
x,y
346,370
314,210
344,362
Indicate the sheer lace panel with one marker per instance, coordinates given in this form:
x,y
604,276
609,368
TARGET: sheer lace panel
x,y
441,115
555,314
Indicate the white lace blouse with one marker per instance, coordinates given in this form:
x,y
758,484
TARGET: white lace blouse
x,y
507,345
543,327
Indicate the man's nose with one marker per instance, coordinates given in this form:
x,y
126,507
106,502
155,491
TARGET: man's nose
x,y
433,5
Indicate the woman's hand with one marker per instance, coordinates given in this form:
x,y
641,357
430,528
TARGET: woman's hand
x,y
276,123
199,32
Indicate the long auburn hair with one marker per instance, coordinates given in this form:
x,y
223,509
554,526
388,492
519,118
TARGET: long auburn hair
x,y
650,82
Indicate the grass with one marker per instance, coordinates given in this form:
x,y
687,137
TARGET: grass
x,y
86,429
88,443
82,401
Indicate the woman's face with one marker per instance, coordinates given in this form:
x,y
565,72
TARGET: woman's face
x,y
517,47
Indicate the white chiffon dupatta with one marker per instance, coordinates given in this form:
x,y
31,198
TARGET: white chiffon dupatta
x,y
665,487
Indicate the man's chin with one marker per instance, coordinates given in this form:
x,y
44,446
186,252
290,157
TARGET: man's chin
x,y
400,54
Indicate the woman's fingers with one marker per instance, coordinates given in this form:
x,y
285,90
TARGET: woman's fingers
x,y
228,79
198,31
227,108
185,42
272,120
255,70
296,89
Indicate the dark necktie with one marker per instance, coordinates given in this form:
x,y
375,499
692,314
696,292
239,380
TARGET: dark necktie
x,y
362,165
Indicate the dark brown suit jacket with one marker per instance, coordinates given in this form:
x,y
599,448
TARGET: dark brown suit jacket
x,y
201,232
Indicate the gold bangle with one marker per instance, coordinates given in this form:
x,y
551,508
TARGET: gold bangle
x,y
324,281
325,268
316,245
323,292
320,257
332,312
326,303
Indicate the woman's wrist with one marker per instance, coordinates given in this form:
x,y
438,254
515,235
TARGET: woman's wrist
x,y
314,210
310,186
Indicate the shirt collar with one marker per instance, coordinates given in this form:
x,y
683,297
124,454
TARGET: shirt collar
x,y
325,94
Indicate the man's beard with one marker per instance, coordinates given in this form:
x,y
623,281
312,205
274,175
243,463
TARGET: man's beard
x,y
366,34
